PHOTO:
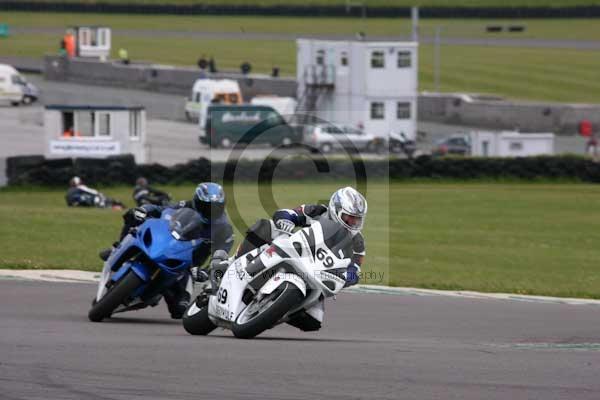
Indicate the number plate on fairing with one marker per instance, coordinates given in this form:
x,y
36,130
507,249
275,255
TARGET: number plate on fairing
x,y
227,302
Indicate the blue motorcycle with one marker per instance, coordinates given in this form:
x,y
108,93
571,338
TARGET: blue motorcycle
x,y
150,259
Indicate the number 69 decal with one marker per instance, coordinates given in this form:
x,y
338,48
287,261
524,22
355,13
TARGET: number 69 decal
x,y
222,296
326,259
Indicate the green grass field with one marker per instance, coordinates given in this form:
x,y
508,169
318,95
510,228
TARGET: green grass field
x,y
521,73
522,238
578,29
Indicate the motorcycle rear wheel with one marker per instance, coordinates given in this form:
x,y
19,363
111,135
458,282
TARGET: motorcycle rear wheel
x,y
115,296
278,303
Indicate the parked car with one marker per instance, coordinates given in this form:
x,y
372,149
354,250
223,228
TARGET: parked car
x,y
455,145
246,123
330,137
399,143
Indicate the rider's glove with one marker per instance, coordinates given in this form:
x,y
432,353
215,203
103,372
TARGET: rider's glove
x,y
139,214
199,274
352,274
218,264
285,226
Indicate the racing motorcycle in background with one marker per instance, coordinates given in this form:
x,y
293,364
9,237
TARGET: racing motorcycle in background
x,y
399,143
147,262
270,285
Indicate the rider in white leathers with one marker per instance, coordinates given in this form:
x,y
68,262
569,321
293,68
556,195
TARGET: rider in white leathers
x,y
347,207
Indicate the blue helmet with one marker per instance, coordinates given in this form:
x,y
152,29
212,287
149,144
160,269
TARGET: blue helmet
x,y
209,200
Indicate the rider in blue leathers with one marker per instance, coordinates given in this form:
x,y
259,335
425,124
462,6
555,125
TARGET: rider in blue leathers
x,y
209,203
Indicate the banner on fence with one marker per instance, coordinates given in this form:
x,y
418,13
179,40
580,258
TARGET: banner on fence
x,y
84,148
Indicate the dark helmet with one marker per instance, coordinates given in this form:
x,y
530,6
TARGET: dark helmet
x,y
209,200
141,181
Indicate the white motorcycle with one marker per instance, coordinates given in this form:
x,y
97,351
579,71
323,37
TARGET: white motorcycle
x,y
270,285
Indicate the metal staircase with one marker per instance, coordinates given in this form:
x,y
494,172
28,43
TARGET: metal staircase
x,y
318,81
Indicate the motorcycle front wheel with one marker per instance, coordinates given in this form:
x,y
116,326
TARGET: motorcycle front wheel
x,y
115,296
264,312
195,319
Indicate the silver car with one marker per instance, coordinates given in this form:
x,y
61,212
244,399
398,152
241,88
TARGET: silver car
x,y
330,137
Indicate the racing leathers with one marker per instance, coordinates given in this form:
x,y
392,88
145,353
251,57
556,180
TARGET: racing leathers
x,y
286,220
145,194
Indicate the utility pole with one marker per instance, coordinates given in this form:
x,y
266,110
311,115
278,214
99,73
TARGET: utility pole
x,y
414,11
437,58
363,12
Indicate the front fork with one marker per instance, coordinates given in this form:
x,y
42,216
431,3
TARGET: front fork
x,y
107,273
104,278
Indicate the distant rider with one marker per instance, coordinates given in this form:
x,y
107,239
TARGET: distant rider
x,y
79,195
143,194
347,207
209,203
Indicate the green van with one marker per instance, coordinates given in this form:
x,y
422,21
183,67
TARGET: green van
x,y
227,125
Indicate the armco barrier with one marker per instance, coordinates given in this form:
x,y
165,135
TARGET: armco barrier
x,y
524,116
121,171
445,108
159,78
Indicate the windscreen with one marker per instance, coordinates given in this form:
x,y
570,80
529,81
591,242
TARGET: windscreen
x,y
186,224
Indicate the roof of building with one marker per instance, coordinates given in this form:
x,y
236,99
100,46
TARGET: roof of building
x,y
67,107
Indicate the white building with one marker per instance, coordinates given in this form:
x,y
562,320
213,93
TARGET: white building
x,y
95,131
93,41
511,144
361,83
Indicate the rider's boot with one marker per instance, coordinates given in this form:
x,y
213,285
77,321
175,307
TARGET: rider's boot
x,y
177,299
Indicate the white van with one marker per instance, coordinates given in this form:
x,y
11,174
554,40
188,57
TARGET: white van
x,y
285,106
211,91
15,88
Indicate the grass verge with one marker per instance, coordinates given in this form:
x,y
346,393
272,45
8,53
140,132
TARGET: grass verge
x,y
521,238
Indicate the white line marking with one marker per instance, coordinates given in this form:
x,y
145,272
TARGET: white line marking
x,y
403,291
75,276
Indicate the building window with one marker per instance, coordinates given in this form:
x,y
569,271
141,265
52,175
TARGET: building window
x,y
403,110
84,36
404,59
515,146
344,59
135,125
378,59
103,124
320,57
102,37
68,124
85,124
377,110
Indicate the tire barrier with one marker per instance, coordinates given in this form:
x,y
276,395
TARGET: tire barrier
x,y
299,10
122,170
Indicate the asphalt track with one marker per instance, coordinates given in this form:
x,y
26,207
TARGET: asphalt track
x,y
372,347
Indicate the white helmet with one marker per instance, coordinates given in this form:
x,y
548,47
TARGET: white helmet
x,y
348,207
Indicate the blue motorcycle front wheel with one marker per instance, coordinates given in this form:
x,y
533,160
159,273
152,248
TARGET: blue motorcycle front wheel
x,y
115,296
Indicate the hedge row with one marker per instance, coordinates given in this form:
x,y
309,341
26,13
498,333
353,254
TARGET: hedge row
x,y
300,10
123,170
